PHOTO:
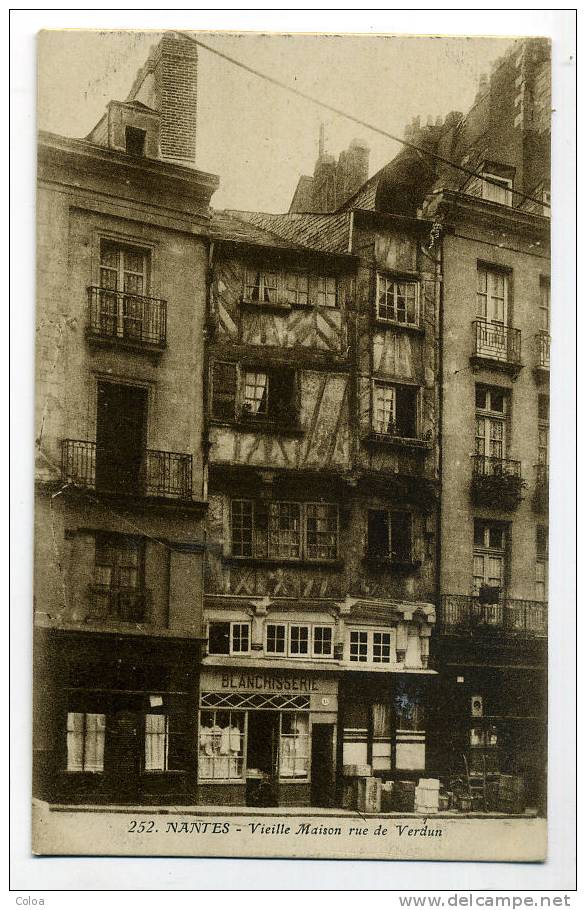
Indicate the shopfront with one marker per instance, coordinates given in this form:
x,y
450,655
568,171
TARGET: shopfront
x,y
266,737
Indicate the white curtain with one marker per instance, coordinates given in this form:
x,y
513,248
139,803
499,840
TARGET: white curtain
x,y
156,740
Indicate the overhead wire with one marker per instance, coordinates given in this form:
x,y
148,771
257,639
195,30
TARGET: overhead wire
x,y
358,120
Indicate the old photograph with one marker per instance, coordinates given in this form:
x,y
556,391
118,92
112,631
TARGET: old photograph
x,y
292,445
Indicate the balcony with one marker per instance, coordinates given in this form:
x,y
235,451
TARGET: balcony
x,y
496,482
542,346
122,604
126,320
466,614
496,347
541,493
162,475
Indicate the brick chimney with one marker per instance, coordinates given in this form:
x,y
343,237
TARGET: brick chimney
x,y
168,83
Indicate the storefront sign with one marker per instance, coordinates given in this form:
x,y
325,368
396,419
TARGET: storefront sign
x,y
320,691
262,682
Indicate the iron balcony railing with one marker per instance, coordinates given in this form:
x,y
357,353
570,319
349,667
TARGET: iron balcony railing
x,y
497,342
124,317
490,466
124,604
543,342
160,474
467,613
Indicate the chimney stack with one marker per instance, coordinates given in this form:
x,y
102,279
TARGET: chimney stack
x,y
168,83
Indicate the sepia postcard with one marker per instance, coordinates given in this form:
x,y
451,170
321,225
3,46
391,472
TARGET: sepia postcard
x,y
292,445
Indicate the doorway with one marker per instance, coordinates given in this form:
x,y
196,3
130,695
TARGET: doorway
x,y
120,437
262,758
322,765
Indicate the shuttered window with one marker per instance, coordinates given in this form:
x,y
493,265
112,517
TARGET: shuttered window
x,y
224,385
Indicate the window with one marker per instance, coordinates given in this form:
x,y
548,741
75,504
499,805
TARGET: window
x,y
544,304
256,394
321,531
359,646
261,286
123,282
541,555
86,735
276,638
397,300
322,641
498,189
299,640
491,295
284,530
118,581
296,288
395,410
491,425
372,646
294,750
228,638
381,737
165,741
389,535
543,430
221,741
489,557
135,141
327,292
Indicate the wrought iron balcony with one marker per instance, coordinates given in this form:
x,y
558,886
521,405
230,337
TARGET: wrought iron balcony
x,y
130,320
123,604
462,613
497,346
166,475
541,494
496,482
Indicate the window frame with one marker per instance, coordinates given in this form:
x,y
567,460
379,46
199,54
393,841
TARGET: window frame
x,y
316,288
264,420
231,637
505,183
396,279
287,652
302,533
487,552
398,388
388,558
370,633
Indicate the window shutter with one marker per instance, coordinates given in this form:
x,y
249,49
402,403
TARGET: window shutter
x,y
224,385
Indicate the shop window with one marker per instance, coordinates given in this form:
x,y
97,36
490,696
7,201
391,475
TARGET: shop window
x,y
322,641
484,744
395,410
321,530
221,745
228,638
356,723
294,751
397,301
409,712
296,288
381,737
489,559
389,535
541,567
276,642
165,741
284,530
86,736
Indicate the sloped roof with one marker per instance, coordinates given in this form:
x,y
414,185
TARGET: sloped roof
x,y
303,196
324,233
228,226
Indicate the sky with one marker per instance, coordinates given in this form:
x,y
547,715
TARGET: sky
x,y
257,138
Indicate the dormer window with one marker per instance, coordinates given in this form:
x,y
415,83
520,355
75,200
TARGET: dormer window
x,y
497,189
135,142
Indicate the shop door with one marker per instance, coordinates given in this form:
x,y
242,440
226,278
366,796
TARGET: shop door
x,y
262,758
120,437
322,765
122,755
